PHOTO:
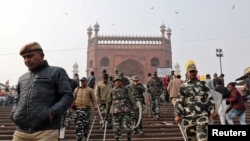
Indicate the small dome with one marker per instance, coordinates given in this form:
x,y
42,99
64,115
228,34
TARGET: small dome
x,y
169,30
96,26
90,29
177,65
75,65
162,26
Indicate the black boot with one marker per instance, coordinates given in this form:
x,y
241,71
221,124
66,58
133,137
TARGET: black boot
x,y
128,138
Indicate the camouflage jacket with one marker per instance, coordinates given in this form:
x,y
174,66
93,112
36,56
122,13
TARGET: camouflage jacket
x,y
194,99
120,100
137,91
154,86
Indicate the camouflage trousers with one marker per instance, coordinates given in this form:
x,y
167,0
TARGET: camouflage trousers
x,y
134,120
121,121
196,128
102,108
155,105
82,123
66,119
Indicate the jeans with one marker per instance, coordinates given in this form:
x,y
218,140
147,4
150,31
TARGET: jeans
x,y
241,114
223,107
248,97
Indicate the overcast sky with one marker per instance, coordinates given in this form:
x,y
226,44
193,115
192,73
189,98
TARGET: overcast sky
x,y
60,26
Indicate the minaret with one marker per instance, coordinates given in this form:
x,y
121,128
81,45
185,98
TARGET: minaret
x,y
177,68
162,27
169,32
75,69
75,73
96,29
89,32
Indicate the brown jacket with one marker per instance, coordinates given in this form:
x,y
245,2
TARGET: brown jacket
x,y
174,87
84,97
101,92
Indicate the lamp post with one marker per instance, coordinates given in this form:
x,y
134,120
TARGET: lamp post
x,y
219,54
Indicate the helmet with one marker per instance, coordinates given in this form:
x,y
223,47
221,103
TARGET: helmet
x,y
105,75
118,78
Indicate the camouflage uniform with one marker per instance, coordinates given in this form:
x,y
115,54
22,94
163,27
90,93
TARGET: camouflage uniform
x,y
84,98
137,91
67,116
101,92
154,86
120,103
194,103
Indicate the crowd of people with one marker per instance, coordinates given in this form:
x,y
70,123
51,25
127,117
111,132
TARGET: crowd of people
x,y
45,97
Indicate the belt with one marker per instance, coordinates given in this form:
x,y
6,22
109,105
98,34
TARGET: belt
x,y
83,108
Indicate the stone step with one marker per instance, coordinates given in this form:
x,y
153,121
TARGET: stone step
x,y
154,130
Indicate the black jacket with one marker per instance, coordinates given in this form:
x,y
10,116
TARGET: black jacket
x,y
39,92
223,90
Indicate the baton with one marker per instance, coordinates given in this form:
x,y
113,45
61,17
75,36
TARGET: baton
x,y
182,132
91,128
105,128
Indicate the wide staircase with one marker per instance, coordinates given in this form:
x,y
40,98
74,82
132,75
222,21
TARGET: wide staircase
x,y
154,130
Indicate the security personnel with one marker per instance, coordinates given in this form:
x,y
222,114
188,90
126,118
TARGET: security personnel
x,y
154,86
194,105
102,89
137,90
84,97
120,103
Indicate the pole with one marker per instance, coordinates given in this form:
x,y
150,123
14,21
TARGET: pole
x,y
220,66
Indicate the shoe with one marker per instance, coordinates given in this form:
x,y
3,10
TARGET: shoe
x,y
140,132
135,132
128,138
157,117
109,126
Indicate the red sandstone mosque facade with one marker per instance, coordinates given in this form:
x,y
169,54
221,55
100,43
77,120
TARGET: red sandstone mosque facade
x,y
131,55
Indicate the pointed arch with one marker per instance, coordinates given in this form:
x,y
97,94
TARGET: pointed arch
x,y
155,62
104,62
131,67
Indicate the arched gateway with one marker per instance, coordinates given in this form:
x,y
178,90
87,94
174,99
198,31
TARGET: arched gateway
x,y
131,55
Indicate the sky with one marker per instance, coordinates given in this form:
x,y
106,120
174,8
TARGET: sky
x,y
199,27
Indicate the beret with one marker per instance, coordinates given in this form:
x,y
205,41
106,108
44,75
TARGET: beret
x,y
83,79
30,47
